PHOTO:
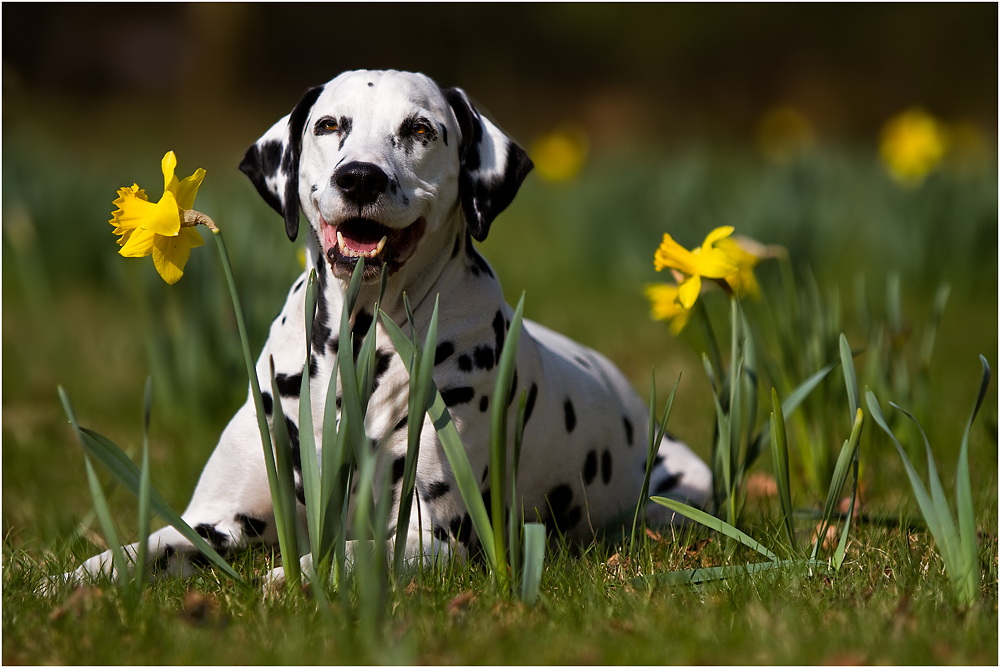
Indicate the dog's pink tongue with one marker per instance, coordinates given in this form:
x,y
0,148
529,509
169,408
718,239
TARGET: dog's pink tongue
x,y
360,245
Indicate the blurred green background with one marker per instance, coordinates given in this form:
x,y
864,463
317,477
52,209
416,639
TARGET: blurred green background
x,y
643,119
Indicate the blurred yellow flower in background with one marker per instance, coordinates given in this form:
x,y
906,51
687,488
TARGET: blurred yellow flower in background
x,y
666,306
706,261
742,282
559,155
912,144
145,228
783,133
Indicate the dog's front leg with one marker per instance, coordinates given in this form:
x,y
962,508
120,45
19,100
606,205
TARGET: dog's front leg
x,y
230,509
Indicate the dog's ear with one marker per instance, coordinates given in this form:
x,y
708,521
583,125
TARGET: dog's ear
x,y
492,166
272,163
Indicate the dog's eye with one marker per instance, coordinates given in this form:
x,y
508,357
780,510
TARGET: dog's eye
x,y
421,129
327,125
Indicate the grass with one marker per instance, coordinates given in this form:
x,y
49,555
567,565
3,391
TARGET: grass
x,y
77,314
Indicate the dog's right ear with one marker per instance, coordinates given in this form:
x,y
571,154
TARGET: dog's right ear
x,y
272,163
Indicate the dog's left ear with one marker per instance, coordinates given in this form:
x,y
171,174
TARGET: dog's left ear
x,y
492,165
272,163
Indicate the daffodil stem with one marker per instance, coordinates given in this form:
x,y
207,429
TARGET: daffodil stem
x,y
286,536
710,340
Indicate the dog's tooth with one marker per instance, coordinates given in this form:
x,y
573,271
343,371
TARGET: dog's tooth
x,y
381,245
340,242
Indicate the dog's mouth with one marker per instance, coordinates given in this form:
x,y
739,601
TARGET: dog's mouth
x,y
379,244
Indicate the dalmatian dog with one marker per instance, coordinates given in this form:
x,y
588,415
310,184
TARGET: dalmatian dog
x,y
391,167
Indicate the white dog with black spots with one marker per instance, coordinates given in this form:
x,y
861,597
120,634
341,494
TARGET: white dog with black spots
x,y
391,167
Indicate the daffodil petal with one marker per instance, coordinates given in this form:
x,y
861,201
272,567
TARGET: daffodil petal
x,y
679,321
689,291
132,209
190,236
139,244
715,264
188,189
168,165
165,217
672,254
170,254
715,235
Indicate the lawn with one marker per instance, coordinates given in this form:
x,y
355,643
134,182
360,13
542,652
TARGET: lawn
x,y
864,253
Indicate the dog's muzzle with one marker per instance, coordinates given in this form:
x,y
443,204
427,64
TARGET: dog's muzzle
x,y
380,245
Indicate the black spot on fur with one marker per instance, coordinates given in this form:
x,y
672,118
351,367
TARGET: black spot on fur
x,y
398,466
441,534
293,443
283,319
462,530
486,471
582,362
498,330
590,468
564,515
382,361
484,403
476,262
513,389
402,423
668,483
606,466
454,396
529,405
215,538
268,401
484,357
334,345
289,386
251,526
570,416
465,363
436,490
199,560
443,352
340,400
370,84
313,365
298,285
300,493
628,429
444,134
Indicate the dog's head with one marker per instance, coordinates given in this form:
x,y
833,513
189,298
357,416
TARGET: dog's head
x,y
380,163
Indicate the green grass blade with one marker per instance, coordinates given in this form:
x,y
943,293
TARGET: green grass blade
x,y
534,557
841,551
284,500
515,519
653,445
453,448
714,523
111,457
779,458
142,541
312,486
498,439
696,576
840,472
850,375
794,399
421,376
949,531
924,500
930,332
750,382
963,490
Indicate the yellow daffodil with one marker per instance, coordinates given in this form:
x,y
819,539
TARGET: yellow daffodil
x,y
665,305
706,261
159,229
912,143
743,281
559,155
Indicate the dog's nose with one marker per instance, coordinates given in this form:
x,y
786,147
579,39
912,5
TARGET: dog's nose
x,y
362,182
